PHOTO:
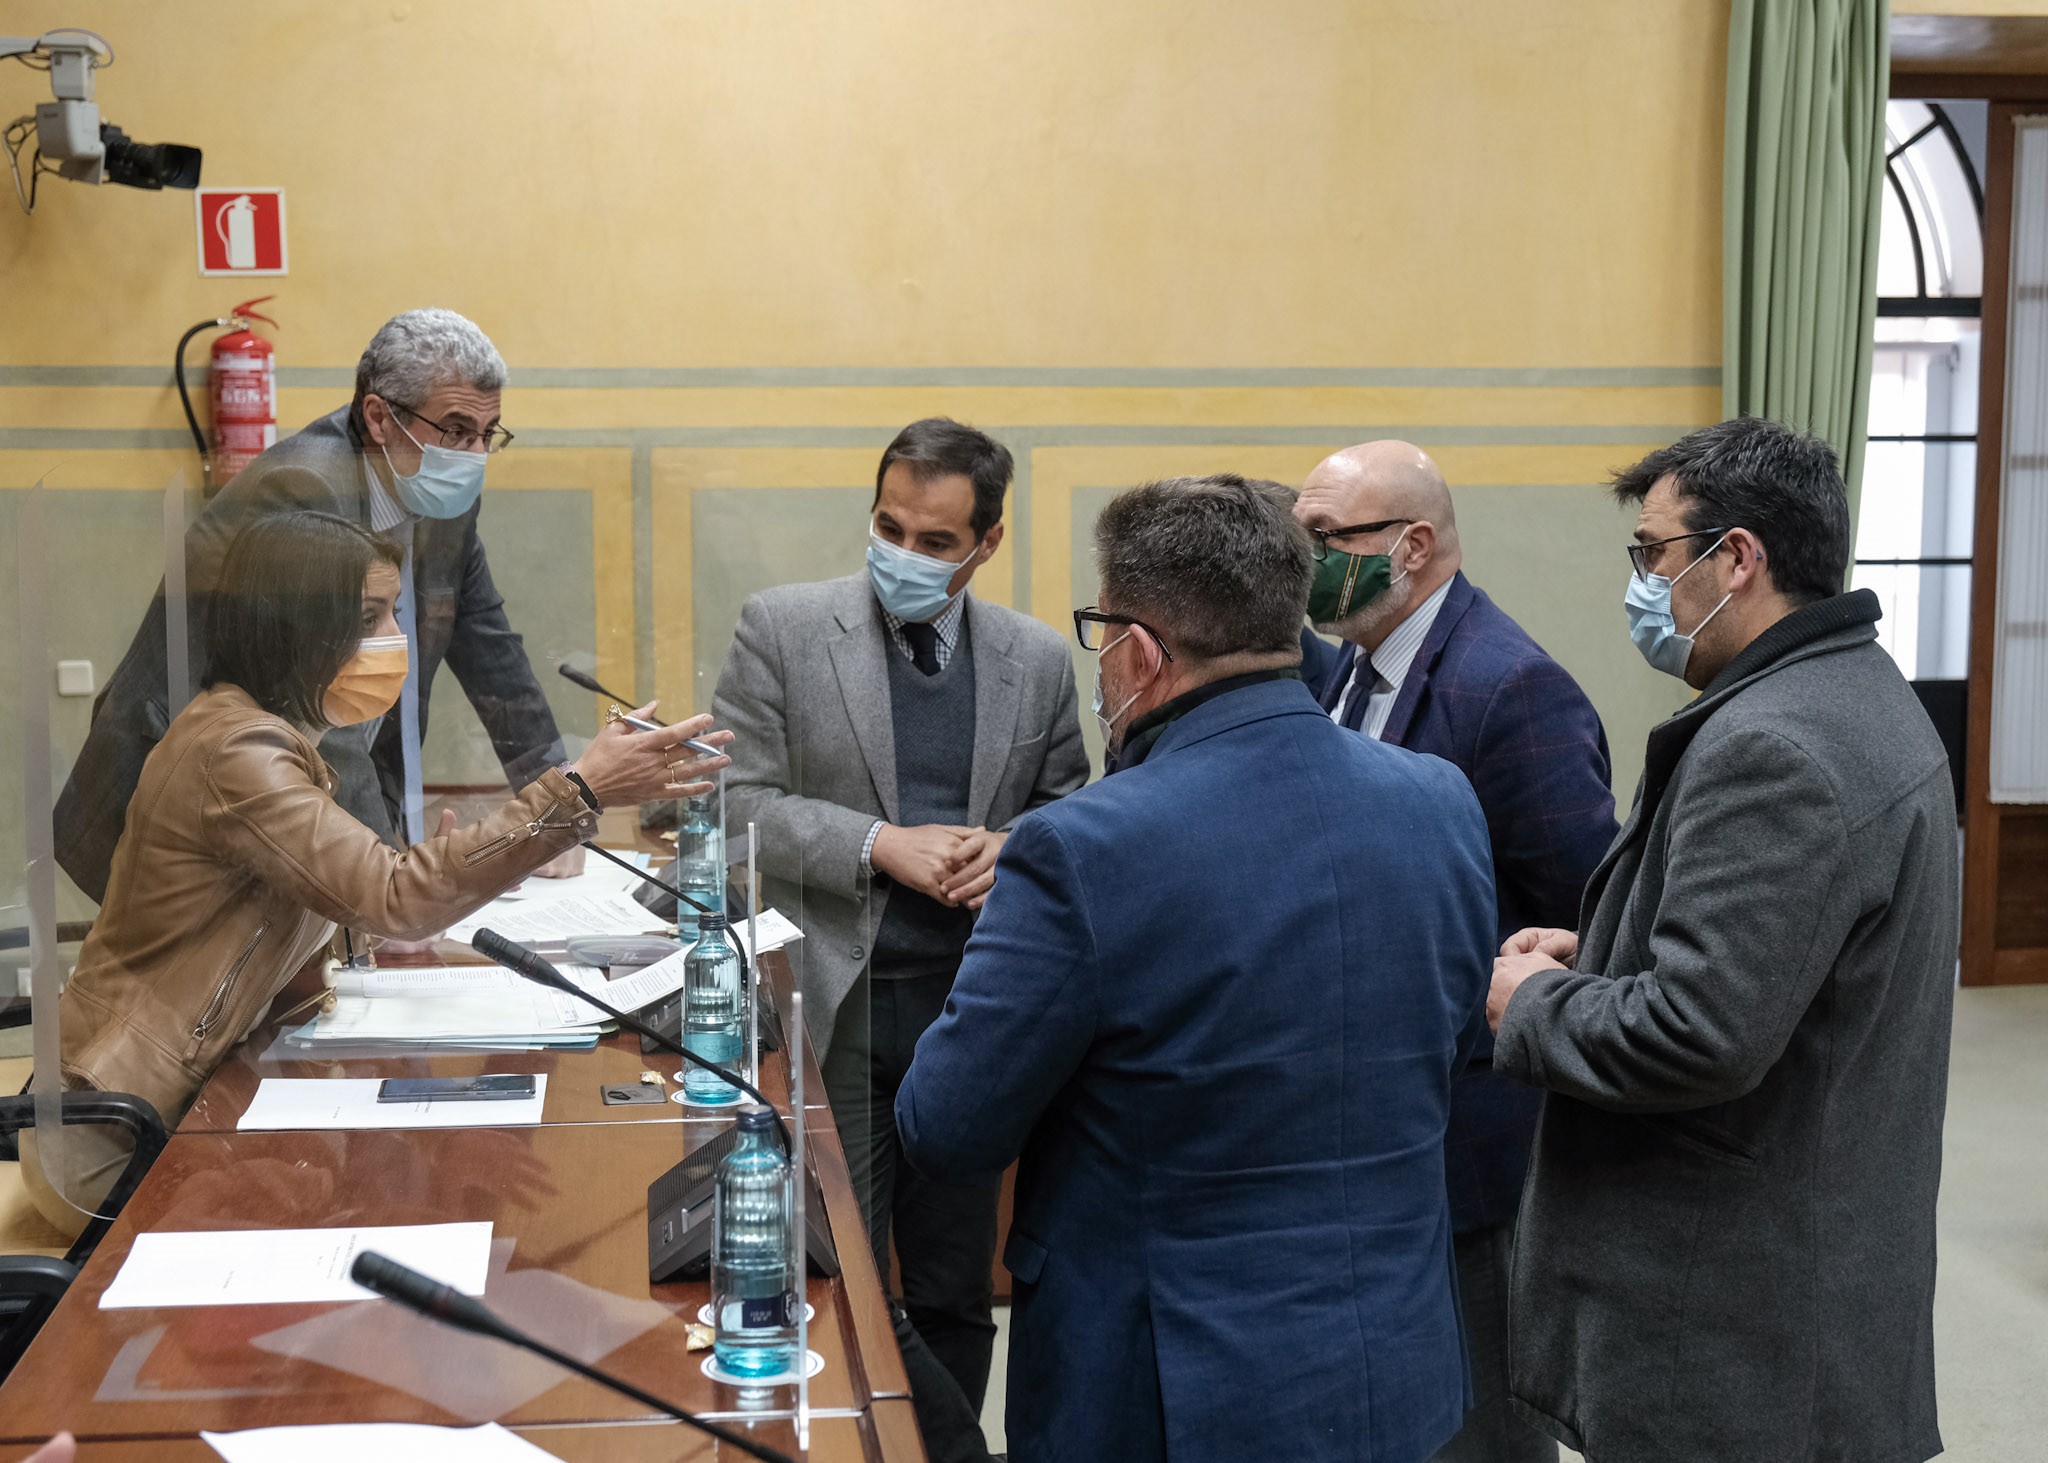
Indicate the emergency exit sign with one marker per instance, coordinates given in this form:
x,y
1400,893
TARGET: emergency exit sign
x,y
241,230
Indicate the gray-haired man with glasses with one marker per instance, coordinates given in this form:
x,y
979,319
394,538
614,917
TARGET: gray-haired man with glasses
x,y
405,459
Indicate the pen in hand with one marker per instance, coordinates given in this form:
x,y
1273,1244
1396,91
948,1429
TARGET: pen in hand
x,y
691,742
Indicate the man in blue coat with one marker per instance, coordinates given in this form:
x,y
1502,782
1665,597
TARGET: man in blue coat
x,y
1218,1010
1431,664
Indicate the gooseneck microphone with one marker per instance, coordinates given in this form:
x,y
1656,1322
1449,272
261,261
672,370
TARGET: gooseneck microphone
x,y
444,1303
589,683
522,961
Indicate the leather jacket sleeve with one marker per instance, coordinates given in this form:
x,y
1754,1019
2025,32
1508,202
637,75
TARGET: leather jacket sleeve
x,y
267,810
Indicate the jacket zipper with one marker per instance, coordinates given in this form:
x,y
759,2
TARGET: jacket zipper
x,y
532,830
220,997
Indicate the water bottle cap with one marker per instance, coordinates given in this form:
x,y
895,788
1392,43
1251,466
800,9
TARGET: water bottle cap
x,y
754,1118
710,920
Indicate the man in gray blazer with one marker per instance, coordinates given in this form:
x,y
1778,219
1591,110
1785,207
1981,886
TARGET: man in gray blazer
x,y
888,730
405,459
1726,1245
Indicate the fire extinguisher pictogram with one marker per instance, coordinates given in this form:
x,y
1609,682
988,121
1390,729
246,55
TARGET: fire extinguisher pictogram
x,y
243,380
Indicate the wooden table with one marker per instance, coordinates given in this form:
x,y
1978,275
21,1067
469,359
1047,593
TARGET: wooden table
x,y
567,1203
576,1080
887,1430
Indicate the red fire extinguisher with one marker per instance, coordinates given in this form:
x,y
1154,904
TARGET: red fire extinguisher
x,y
244,387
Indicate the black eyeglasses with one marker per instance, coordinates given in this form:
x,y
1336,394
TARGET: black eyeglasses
x,y
1088,625
1321,547
1639,564
460,437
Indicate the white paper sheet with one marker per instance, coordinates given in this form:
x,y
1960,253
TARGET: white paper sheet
x,y
560,917
388,1442
380,982
775,929
240,1267
648,984
351,1102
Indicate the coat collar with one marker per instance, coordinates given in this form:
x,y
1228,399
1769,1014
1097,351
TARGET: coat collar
x,y
1207,710
1843,622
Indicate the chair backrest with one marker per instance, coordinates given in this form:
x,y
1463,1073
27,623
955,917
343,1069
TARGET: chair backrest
x,y
107,1109
30,1287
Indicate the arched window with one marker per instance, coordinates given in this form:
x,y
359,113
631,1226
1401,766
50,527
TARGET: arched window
x,y
1915,520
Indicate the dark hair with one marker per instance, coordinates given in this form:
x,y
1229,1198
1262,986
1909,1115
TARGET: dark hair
x,y
939,445
1780,484
287,612
1216,564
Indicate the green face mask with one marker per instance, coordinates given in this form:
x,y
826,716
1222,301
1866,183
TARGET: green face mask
x,y
1345,583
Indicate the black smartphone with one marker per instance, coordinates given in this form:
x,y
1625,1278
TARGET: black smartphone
x,y
491,1087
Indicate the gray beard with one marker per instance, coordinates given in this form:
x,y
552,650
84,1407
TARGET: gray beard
x,y
1376,619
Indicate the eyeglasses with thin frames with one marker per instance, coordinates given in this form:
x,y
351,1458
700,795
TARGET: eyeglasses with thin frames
x,y
1088,625
462,438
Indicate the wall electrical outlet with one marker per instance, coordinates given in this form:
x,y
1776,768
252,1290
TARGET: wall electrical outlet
x,y
74,678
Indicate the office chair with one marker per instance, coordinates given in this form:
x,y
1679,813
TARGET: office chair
x,y
14,1010
32,1283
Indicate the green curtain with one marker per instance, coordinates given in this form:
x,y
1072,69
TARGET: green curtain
x,y
1802,177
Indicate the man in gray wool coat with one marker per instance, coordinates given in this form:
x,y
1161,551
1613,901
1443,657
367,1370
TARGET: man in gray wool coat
x,y
1726,1247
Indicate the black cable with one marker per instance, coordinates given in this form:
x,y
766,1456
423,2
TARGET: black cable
x,y
746,960
185,397
441,1302
521,961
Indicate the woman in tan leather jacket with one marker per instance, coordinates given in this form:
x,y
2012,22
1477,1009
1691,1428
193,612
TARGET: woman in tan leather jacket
x,y
236,864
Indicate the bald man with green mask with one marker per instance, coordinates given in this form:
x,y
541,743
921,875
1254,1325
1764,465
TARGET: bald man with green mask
x,y
1430,663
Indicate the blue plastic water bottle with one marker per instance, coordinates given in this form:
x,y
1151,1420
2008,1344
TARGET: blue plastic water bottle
x,y
755,1293
711,1011
700,863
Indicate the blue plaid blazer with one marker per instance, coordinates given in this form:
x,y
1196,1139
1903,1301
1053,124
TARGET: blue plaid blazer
x,y
1483,695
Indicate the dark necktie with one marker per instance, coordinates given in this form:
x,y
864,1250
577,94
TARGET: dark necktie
x,y
924,646
1364,679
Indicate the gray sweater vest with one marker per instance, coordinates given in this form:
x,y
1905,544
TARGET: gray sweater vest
x,y
934,722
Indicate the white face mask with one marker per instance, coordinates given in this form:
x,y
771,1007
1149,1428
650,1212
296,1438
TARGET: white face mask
x,y
1108,722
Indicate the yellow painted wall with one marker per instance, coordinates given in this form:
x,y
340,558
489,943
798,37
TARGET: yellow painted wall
x,y
731,247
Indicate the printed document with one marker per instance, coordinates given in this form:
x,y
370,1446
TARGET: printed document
x,y
247,1267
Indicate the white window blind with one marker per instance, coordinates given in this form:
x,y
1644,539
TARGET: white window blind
x,y
2019,674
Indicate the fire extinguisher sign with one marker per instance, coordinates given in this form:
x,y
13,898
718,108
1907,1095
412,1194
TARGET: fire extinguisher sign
x,y
241,230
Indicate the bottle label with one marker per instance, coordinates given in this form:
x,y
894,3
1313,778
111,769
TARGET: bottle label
x,y
768,1310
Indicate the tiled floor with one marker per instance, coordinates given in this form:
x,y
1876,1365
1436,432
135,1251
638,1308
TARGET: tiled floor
x,y
1991,1305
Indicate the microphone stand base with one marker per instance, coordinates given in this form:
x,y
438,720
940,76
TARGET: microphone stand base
x,y
679,1209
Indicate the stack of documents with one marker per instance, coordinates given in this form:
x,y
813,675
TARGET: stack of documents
x,y
476,1006
460,1005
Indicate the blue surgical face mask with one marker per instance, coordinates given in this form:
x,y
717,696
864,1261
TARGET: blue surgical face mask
x,y
911,586
1650,625
1107,721
447,484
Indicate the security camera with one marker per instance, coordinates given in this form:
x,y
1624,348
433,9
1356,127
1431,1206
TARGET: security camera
x,y
71,140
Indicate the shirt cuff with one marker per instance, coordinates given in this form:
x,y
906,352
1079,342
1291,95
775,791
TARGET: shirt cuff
x,y
867,850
